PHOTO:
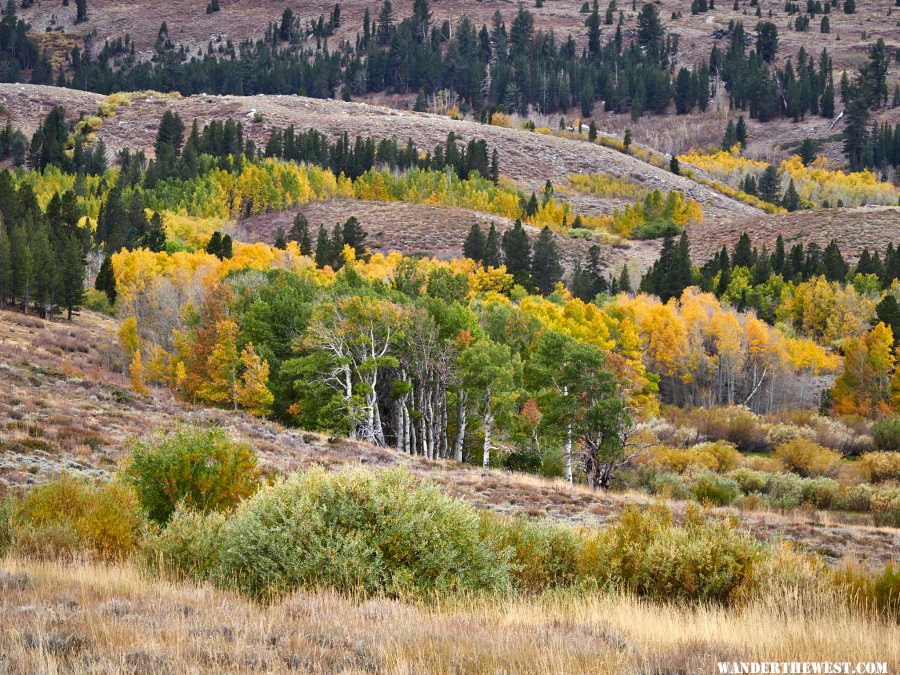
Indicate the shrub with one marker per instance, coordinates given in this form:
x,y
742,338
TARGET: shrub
x,y
785,491
670,486
782,433
358,531
68,515
726,454
762,463
885,507
880,592
880,466
677,459
820,492
188,547
886,434
708,488
204,470
707,560
806,458
750,481
735,424
6,526
542,554
854,498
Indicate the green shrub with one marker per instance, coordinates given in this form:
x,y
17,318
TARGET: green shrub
x,y
806,457
785,491
542,554
670,486
361,532
854,498
709,488
203,470
188,547
750,481
820,492
69,514
6,526
880,592
886,434
644,552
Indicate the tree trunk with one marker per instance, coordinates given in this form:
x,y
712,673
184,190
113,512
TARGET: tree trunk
x,y
461,422
488,421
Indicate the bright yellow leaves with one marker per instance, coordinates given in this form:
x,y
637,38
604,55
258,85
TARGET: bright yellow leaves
x,y
817,183
864,387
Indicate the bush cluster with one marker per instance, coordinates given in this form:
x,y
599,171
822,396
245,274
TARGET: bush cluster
x,y
203,470
67,516
385,534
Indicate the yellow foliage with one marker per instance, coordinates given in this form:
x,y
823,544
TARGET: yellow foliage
x,y
499,119
136,374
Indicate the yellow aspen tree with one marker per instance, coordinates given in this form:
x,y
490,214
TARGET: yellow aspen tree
x,y
136,374
253,393
221,366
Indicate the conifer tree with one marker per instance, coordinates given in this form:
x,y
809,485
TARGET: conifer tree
x,y
493,256
473,246
299,233
106,280
323,248
73,271
517,254
546,269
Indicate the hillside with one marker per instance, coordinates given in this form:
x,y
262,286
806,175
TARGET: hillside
x,y
67,412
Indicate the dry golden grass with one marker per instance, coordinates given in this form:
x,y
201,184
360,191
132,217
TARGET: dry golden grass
x,y
83,617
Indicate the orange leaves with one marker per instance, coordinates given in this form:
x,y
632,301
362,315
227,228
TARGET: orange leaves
x,y
863,388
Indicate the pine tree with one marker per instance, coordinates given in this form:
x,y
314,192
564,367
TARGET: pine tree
x,y
72,276
807,151
833,265
473,246
154,237
625,280
324,254
730,136
280,241
299,233
337,246
353,235
517,254
492,249
106,280
546,269
214,245
888,312
791,200
740,132
769,185
778,256
674,166
650,31
6,271
81,14
227,247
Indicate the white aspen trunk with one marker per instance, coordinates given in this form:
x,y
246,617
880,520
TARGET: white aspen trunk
x,y
568,454
488,421
461,422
